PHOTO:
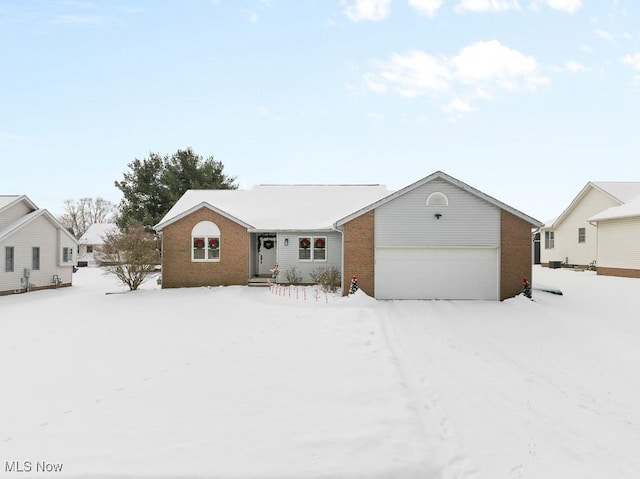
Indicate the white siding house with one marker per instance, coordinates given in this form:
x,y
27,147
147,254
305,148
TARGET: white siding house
x,y
92,240
36,251
572,239
619,239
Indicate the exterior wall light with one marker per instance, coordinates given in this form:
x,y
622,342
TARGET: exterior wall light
x,y
286,241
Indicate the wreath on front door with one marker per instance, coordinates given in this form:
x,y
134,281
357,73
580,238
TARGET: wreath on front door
x,y
268,244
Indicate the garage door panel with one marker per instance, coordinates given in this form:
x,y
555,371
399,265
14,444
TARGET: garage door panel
x,y
436,273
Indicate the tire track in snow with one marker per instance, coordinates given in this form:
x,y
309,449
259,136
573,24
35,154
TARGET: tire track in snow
x,y
457,462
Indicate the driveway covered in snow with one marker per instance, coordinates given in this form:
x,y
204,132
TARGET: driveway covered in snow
x,y
248,383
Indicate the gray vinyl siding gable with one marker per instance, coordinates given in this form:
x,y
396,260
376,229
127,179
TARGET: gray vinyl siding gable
x,y
288,255
41,233
407,221
13,213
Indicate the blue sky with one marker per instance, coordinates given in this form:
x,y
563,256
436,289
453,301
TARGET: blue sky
x,y
526,100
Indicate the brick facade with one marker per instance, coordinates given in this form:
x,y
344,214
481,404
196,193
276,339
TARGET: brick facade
x,y
515,254
179,271
359,253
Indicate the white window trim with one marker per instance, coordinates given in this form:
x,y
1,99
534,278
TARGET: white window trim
x,y
34,266
549,239
312,258
582,232
206,249
13,259
68,252
437,195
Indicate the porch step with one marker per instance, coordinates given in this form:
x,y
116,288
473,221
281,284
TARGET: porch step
x,y
259,281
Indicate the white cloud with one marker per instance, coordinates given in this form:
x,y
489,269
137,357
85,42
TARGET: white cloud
x,y
477,6
605,35
569,6
251,15
411,75
427,7
633,62
571,66
492,62
479,71
575,67
368,10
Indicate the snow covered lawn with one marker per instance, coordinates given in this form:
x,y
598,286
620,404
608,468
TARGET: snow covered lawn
x,y
243,383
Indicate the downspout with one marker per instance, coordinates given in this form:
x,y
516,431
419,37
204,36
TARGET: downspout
x,y
595,223
336,229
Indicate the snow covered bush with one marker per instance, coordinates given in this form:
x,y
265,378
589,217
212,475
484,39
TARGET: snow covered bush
x,y
293,275
328,278
130,256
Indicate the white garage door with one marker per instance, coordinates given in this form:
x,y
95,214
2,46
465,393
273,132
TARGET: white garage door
x,y
436,273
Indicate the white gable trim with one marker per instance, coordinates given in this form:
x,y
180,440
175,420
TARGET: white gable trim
x,y
28,218
450,179
576,201
18,199
160,226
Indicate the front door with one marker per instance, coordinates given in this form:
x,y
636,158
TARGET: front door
x,y
266,254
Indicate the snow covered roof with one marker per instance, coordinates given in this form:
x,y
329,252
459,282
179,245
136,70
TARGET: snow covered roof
x,y
619,191
623,191
6,200
96,233
630,209
279,207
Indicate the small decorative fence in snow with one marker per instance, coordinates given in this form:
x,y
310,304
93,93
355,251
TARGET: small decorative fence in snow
x,y
299,293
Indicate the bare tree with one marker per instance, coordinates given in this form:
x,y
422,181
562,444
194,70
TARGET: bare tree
x,y
80,214
130,256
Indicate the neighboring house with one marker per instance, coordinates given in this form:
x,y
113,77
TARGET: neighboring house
x,y
438,238
92,240
572,239
37,251
619,239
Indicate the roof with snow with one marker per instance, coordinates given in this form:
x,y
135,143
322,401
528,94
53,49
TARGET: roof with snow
x,y
621,192
279,207
630,209
96,233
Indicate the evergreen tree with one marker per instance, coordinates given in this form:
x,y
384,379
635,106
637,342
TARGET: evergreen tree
x,y
153,185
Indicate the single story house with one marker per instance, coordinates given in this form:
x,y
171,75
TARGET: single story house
x,y
618,240
37,251
573,239
438,238
92,240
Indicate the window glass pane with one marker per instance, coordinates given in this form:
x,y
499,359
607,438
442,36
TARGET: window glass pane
x,y
35,258
8,258
198,248
304,248
319,248
213,247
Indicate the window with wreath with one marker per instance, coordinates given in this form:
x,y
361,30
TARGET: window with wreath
x,y
312,248
205,242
